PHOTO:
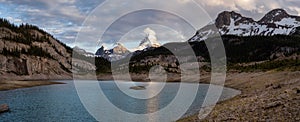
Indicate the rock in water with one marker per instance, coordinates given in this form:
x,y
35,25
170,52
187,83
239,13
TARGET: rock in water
x,y
4,108
138,87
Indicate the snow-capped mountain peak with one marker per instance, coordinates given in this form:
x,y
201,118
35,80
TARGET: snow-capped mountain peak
x,y
274,16
120,51
149,41
227,18
116,53
275,22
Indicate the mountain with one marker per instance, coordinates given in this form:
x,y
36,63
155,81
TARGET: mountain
x,y
274,41
150,40
274,51
275,22
120,51
27,52
116,53
269,43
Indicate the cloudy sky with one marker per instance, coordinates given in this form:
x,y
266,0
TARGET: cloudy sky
x,y
65,18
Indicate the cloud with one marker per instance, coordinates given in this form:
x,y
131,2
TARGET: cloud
x,y
184,1
61,18
296,9
149,31
251,8
246,4
14,20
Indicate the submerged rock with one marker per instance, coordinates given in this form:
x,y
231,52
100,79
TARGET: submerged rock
x,y
138,87
4,108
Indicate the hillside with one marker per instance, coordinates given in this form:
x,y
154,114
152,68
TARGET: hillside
x,y
272,50
27,52
270,43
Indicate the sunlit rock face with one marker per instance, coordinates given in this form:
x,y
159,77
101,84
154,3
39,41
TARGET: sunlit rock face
x,y
114,54
120,51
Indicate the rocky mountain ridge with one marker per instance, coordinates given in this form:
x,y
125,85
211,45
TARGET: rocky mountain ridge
x,y
116,53
120,51
275,22
252,45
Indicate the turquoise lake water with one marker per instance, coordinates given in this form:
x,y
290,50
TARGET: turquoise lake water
x,y
60,103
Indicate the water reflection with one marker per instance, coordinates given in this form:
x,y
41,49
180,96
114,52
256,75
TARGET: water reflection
x,y
152,105
61,102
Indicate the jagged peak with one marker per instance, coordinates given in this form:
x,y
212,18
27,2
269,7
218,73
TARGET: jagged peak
x,y
232,14
277,12
102,47
120,49
275,22
225,17
274,15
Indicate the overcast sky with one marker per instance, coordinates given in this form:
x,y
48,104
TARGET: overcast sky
x,y
64,18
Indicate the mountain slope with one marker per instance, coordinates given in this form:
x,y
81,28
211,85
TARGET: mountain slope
x,y
27,52
238,49
116,53
275,22
150,40
275,38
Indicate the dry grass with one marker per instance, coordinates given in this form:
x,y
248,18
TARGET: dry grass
x,y
266,96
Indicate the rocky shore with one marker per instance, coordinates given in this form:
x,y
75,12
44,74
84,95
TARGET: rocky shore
x,y
266,96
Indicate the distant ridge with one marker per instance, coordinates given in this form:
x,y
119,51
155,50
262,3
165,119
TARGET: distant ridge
x,y
275,22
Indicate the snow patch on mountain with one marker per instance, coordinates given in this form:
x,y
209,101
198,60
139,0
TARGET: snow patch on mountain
x,y
276,22
114,54
289,22
120,51
149,41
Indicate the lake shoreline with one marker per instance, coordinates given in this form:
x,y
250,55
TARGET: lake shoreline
x,y
266,96
275,93
12,85
27,82
47,98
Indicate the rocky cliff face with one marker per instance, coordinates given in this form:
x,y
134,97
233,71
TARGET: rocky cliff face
x,y
224,19
30,53
120,49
